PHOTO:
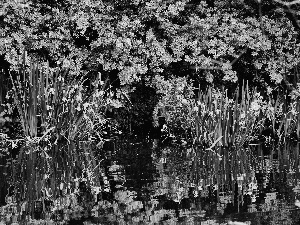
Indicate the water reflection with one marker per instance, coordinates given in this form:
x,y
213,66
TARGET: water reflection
x,y
244,185
184,185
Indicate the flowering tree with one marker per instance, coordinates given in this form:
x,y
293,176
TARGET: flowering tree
x,y
143,37
147,40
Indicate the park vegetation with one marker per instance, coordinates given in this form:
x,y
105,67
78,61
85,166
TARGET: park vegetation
x,y
78,74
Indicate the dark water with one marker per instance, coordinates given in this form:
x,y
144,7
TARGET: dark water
x,y
243,185
181,185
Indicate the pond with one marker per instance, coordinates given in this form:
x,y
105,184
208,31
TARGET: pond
x,y
244,186
177,185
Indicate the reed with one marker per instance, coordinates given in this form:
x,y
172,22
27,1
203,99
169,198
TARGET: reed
x,y
230,122
45,100
231,125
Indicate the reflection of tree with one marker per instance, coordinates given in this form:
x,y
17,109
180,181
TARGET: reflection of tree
x,y
274,217
171,178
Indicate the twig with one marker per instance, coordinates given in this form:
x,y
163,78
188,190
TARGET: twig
x,y
213,145
239,56
288,3
292,11
220,63
260,17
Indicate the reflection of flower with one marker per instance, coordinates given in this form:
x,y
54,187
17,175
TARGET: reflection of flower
x,y
125,196
133,206
243,115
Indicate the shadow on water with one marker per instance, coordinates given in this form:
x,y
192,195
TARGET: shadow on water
x,y
243,185
184,184
190,185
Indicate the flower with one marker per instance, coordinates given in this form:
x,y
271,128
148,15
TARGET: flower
x,y
78,108
184,101
255,106
86,105
66,63
269,90
79,98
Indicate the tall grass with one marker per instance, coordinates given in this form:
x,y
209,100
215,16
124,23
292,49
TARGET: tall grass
x,y
225,130
221,121
55,121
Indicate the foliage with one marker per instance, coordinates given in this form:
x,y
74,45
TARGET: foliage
x,y
56,114
85,41
215,119
177,94
145,37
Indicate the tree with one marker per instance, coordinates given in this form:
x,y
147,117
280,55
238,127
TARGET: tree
x,y
144,37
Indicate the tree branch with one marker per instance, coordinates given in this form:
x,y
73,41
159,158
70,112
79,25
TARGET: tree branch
x,y
206,68
239,56
220,63
288,3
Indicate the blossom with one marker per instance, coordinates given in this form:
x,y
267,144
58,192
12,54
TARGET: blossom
x,y
79,98
269,90
66,63
78,108
184,101
85,105
119,44
255,106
